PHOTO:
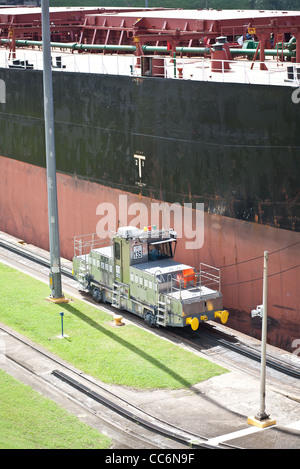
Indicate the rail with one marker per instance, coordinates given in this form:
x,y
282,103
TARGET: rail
x,y
118,406
239,70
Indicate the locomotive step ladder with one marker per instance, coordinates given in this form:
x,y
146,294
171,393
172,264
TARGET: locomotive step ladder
x,y
82,273
162,311
116,295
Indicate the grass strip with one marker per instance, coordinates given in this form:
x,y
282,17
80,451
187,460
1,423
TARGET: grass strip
x,y
30,421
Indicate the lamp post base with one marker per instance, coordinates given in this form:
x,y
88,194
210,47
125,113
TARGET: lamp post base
x,y
63,299
261,421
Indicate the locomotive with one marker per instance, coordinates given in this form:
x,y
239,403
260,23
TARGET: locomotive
x,y
134,270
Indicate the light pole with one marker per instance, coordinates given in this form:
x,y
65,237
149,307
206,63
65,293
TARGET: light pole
x,y
55,268
262,419
262,413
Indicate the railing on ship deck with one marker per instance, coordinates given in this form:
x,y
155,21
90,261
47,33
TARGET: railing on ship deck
x,y
183,68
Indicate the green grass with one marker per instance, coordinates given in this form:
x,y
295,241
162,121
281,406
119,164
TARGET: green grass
x,y
30,421
125,355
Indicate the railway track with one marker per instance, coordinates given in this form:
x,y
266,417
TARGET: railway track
x,y
142,430
215,337
27,254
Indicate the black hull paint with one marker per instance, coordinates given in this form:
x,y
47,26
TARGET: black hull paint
x,y
235,147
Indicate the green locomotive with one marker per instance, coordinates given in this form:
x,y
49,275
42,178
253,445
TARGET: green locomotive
x,y
135,270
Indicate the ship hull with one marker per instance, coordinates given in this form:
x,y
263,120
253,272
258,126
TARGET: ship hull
x,y
123,141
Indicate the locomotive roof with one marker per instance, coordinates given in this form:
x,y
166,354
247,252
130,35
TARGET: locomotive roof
x,y
163,266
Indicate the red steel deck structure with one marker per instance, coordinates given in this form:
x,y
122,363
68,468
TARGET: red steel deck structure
x,y
157,27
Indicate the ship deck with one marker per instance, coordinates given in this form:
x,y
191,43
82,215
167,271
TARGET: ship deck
x,y
241,70
261,45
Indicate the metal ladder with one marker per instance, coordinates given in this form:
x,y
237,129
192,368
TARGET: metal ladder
x,y
162,310
116,295
83,270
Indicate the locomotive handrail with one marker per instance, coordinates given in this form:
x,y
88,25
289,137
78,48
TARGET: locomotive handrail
x,y
83,244
171,298
157,274
208,278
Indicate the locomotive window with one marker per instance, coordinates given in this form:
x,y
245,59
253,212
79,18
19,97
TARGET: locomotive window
x,y
117,251
165,250
160,251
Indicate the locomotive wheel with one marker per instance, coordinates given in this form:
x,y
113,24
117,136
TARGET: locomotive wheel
x,y
149,318
96,294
